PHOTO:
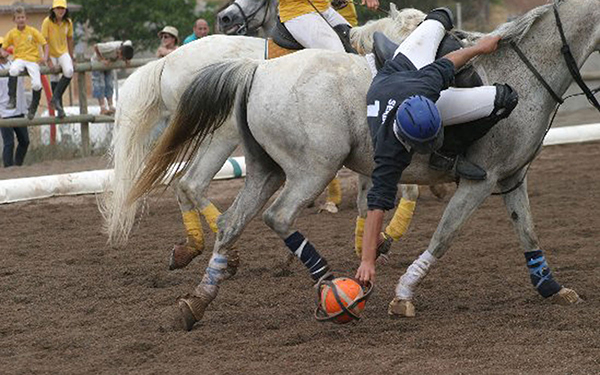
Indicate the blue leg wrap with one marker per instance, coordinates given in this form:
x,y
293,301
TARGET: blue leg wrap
x,y
305,251
541,276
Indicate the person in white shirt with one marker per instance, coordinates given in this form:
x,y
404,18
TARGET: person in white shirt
x,y
103,81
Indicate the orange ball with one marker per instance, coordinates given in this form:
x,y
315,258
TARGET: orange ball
x,y
349,291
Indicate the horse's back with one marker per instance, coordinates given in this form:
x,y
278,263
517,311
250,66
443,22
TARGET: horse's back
x,y
185,62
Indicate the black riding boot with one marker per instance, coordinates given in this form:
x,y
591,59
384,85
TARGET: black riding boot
x,y
442,15
458,138
35,101
57,94
12,92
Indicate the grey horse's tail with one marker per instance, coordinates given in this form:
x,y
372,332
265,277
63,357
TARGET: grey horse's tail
x,y
204,107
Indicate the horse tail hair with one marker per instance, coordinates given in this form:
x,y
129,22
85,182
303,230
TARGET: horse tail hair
x,y
204,106
138,112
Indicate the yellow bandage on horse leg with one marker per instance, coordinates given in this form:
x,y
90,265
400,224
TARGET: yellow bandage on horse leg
x,y
193,227
211,214
358,235
334,192
401,220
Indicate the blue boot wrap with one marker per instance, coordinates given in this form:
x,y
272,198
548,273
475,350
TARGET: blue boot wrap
x,y
305,251
541,276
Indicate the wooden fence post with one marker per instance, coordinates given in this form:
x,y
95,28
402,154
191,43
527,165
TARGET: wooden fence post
x,y
83,108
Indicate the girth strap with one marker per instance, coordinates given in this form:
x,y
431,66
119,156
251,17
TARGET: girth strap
x,y
535,72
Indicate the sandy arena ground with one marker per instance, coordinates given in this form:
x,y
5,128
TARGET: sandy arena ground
x,y
72,305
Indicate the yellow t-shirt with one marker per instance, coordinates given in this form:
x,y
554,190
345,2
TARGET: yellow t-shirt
x,y
349,13
56,35
289,9
26,43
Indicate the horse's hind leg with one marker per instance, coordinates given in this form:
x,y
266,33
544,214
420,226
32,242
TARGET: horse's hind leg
x,y
299,190
190,190
465,201
517,204
183,254
334,197
262,180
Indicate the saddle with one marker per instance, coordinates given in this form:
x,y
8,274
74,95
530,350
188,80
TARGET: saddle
x,y
384,48
282,42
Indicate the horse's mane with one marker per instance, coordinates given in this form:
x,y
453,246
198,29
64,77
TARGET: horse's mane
x,y
512,31
396,26
515,30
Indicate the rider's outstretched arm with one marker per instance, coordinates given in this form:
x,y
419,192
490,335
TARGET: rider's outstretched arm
x,y
484,46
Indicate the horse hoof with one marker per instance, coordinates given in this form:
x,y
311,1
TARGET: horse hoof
x,y
439,191
566,297
191,309
330,207
181,256
401,308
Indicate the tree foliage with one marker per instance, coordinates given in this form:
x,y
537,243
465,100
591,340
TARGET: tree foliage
x,y
139,21
472,10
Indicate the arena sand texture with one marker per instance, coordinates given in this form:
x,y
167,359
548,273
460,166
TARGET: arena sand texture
x,y
72,305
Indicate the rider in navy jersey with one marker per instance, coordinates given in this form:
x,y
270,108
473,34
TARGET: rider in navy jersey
x,y
408,101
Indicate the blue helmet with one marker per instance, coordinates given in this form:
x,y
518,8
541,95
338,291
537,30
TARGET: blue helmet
x,y
419,125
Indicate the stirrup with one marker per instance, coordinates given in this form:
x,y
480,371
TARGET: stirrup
x,y
458,165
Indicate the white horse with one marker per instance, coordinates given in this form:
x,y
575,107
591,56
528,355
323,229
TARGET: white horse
x,y
288,140
155,89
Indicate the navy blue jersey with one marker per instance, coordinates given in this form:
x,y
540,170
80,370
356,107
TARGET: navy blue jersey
x,y
396,81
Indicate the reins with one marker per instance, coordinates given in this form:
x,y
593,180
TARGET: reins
x,y
573,70
243,30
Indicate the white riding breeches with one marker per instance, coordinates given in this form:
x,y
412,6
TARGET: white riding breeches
x,y
312,31
456,105
422,44
33,69
66,64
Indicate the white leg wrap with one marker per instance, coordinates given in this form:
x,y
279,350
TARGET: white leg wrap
x,y
413,276
215,273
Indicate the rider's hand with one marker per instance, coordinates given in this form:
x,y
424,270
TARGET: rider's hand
x,y
49,63
366,272
488,44
371,4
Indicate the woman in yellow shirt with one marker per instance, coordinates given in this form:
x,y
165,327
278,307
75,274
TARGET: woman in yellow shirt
x,y
57,28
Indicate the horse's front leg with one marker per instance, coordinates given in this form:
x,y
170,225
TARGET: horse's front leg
x,y
397,226
465,201
517,204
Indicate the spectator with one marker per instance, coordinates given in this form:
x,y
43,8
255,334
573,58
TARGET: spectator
x,y
103,81
57,28
200,30
8,153
169,41
26,41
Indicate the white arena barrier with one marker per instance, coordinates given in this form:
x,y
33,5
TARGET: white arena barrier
x,y
91,182
23,189
572,134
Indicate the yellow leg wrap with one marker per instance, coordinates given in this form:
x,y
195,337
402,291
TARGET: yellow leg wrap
x,y
358,235
401,220
334,192
211,214
193,227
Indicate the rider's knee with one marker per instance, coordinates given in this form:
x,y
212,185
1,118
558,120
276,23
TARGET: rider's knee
x,y
505,102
